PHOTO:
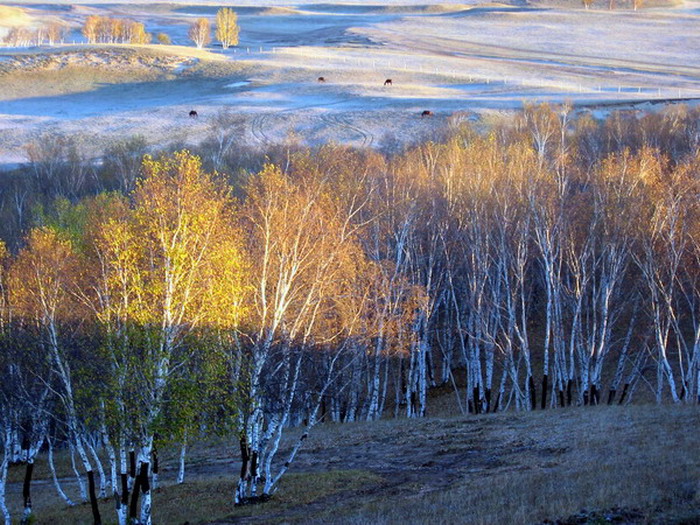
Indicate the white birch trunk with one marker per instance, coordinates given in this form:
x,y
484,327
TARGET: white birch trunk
x,y
100,469
423,350
16,447
78,477
354,397
410,381
373,410
123,492
181,469
145,454
385,385
56,481
111,454
7,449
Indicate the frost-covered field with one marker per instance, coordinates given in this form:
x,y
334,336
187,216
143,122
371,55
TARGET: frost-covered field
x,y
456,60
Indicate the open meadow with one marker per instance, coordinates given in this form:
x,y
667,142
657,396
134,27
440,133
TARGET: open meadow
x,y
634,464
463,61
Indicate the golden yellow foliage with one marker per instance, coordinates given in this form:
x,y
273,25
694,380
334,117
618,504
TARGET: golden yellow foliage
x,y
41,279
200,32
227,27
172,257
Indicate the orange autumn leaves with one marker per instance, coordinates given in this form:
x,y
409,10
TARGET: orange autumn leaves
x,y
38,280
168,255
181,253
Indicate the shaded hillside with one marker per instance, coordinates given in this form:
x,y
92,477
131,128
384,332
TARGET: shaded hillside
x,y
635,464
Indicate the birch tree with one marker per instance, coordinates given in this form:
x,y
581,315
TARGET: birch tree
x,y
184,276
227,27
200,32
302,245
40,291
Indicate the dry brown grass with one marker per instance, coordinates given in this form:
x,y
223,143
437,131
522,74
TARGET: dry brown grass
x,y
203,501
550,465
85,69
503,468
13,17
73,79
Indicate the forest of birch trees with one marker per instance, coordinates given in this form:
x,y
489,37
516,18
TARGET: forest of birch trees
x,y
155,299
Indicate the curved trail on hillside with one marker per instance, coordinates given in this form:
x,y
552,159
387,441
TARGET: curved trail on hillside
x,y
343,122
262,122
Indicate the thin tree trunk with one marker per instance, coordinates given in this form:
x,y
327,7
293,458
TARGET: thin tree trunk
x,y
97,520
56,482
27,492
181,470
132,468
79,478
134,505
122,496
146,501
111,454
382,397
155,469
245,471
100,470
3,478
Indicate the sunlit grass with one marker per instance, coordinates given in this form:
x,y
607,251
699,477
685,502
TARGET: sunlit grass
x,y
68,71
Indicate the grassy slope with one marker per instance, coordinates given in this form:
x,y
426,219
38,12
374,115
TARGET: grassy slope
x,y
78,69
505,468
13,17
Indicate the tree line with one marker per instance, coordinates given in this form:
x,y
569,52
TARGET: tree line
x,y
51,34
549,261
110,30
107,30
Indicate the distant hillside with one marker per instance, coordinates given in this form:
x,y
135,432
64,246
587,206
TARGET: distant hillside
x,y
604,4
12,17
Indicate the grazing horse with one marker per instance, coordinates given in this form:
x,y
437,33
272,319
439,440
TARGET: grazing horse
x,y
388,82
193,114
426,113
321,79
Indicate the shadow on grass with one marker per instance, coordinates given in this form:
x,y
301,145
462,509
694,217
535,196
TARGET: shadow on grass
x,y
211,500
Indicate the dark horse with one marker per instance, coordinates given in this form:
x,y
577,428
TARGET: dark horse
x,y
426,113
388,82
321,79
193,114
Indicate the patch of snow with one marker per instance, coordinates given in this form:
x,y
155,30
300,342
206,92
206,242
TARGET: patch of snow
x,y
235,85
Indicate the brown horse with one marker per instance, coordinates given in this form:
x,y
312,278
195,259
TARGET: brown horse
x,y
321,79
388,82
193,114
426,113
